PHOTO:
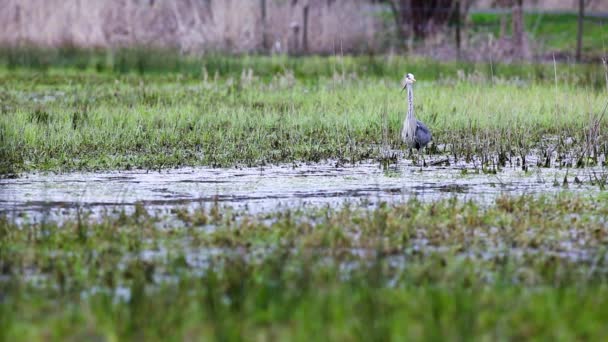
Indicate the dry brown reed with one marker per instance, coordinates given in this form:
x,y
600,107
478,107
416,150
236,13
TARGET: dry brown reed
x,y
190,25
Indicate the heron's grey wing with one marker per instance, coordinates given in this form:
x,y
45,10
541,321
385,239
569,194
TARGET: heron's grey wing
x,y
423,135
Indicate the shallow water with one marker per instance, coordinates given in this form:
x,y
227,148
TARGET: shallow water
x,y
37,196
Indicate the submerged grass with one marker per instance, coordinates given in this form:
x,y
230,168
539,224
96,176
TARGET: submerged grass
x,y
258,110
521,268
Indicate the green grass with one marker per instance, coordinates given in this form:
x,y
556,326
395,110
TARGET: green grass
x,y
505,271
305,109
551,32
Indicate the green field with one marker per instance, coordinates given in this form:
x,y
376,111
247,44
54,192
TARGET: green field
x,y
259,110
552,32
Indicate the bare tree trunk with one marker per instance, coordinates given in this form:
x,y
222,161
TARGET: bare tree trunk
x,y
518,29
305,30
422,18
503,26
579,35
294,44
395,6
428,15
458,28
264,28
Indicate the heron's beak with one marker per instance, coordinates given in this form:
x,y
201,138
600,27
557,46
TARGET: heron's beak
x,y
413,80
405,85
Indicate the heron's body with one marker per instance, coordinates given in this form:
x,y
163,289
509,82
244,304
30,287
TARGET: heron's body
x,y
415,134
422,136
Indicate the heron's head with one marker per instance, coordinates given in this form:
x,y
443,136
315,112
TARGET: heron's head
x,y
409,79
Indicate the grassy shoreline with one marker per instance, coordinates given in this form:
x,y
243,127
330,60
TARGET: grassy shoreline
x,y
523,267
141,62
65,119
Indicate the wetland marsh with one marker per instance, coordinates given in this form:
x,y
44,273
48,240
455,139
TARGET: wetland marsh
x,y
270,198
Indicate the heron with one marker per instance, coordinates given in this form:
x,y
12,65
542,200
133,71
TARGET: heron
x,y
414,134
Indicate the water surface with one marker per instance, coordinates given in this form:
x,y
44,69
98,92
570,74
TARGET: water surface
x,y
275,187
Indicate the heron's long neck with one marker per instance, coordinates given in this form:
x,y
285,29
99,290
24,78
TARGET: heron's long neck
x,y
410,103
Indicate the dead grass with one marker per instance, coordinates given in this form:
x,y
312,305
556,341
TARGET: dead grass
x,y
192,26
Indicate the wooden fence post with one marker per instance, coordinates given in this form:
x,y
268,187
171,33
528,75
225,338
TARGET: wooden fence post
x,y
265,46
579,34
458,28
305,30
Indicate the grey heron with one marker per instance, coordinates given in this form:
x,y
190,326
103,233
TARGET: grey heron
x,y
414,134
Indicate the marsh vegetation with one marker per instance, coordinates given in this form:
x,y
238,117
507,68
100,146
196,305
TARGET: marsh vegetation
x,y
210,166
520,268
261,110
